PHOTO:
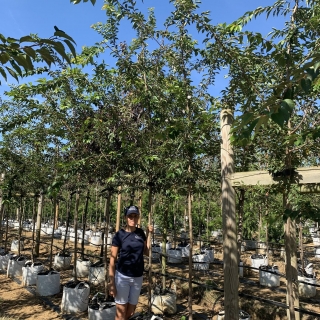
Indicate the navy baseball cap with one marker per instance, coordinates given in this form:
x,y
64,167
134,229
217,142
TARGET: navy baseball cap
x,y
130,210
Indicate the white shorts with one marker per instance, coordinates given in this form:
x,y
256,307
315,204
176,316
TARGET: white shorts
x,y
128,289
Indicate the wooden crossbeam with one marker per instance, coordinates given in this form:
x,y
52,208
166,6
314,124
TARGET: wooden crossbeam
x,y
303,176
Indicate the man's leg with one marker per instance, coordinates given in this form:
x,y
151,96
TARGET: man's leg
x,y
121,311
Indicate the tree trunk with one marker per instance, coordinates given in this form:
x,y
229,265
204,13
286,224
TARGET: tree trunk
x,y
76,212
164,245
240,220
85,214
38,228
118,210
106,233
191,249
230,252
54,204
150,249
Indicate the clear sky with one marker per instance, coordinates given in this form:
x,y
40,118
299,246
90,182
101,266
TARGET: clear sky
x,y
22,17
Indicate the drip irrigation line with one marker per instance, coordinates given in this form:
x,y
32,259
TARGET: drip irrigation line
x,y
240,294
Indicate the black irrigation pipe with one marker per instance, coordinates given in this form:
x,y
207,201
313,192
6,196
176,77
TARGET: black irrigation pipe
x,y
240,294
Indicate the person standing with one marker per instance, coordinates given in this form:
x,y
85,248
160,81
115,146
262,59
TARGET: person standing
x,y
127,264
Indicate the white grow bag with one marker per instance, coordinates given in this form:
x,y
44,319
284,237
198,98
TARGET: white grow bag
x,y
96,274
4,259
15,265
242,315
185,250
15,245
156,251
200,262
86,239
258,260
96,240
307,290
209,252
174,255
164,303
267,278
62,261
30,272
75,299
48,283
99,309
83,268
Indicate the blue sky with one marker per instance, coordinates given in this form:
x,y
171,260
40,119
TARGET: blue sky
x,y
22,17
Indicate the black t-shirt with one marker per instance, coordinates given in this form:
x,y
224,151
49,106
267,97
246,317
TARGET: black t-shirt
x,y
130,257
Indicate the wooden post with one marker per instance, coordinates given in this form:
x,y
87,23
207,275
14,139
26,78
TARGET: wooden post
x,y
118,210
230,252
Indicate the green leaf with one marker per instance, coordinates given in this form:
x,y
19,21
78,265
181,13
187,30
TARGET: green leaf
x,y
60,49
278,119
2,38
62,34
262,121
306,85
12,73
4,57
30,52
46,55
16,67
93,2
3,73
20,60
26,39
71,47
288,105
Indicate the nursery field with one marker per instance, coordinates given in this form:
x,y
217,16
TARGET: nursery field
x,y
260,302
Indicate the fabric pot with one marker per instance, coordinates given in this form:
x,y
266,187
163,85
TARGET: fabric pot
x,y
75,297
96,273
268,278
96,240
307,290
155,251
62,261
101,309
258,260
15,265
185,249
30,272
209,252
4,259
168,246
72,236
86,239
57,234
174,255
15,245
242,315
200,262
48,283
83,268
163,303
